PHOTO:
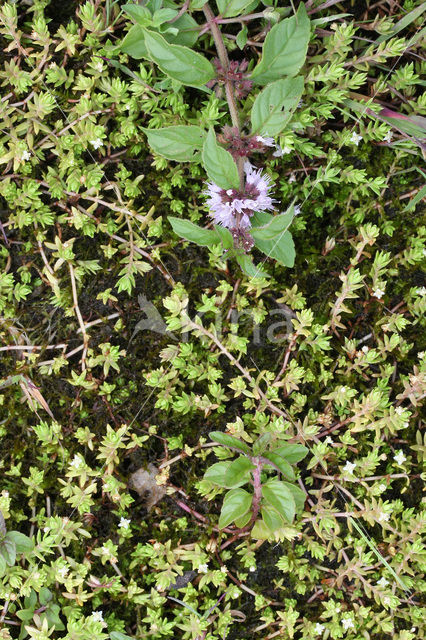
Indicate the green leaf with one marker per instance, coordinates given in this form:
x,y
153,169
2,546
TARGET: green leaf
x,y
231,8
188,30
279,496
180,63
238,472
241,522
281,464
271,517
22,542
192,232
235,505
134,43
229,441
141,15
179,143
273,227
298,495
8,551
45,595
421,195
226,238
163,15
30,601
281,247
117,635
260,531
261,443
3,528
249,268
219,164
285,48
3,565
216,473
241,38
25,614
292,452
52,615
273,107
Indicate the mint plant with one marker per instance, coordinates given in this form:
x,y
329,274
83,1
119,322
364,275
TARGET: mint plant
x,y
269,504
239,194
121,346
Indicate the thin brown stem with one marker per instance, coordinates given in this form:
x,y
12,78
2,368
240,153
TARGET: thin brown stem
x,y
79,316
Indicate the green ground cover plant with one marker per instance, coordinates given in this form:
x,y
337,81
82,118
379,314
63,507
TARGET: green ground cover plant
x,y
210,424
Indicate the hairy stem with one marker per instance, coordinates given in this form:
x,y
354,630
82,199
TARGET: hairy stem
x,y
229,89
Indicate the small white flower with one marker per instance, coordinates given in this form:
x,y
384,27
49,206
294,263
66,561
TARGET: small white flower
x,y
328,440
99,67
105,551
203,568
5,494
292,178
124,523
400,457
252,569
365,349
355,138
378,293
399,410
46,529
96,144
76,462
421,291
382,487
98,616
224,569
319,628
297,209
421,355
26,155
348,623
343,389
268,142
382,583
349,467
388,136
386,601
62,571
405,425
281,151
384,517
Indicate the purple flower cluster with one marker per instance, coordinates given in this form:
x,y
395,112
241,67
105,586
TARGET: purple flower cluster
x,y
232,208
236,74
